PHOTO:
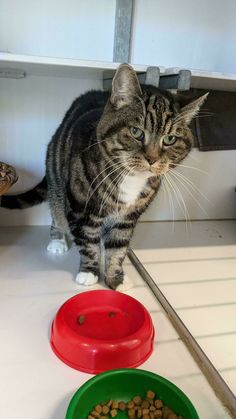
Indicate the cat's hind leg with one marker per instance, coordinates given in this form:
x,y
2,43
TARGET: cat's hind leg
x,y
86,233
59,241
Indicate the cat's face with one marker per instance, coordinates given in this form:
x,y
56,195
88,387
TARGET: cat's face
x,y
146,129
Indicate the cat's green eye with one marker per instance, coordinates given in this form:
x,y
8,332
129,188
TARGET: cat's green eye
x,y
169,140
137,133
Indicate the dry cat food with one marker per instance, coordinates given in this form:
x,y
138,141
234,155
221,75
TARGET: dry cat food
x,y
148,408
81,319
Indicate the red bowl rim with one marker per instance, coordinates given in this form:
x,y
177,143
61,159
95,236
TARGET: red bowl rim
x,y
98,371
136,334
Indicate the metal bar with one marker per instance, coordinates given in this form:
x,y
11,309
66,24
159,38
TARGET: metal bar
x,y
215,380
123,26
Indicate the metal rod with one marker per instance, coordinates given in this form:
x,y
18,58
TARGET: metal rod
x,y
123,27
215,380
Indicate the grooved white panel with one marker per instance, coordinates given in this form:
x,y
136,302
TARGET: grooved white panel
x,y
196,271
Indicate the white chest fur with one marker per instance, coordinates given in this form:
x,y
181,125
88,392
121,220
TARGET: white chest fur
x,y
131,187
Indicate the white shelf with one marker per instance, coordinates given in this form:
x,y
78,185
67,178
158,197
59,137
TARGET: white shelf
x,y
35,65
209,79
60,67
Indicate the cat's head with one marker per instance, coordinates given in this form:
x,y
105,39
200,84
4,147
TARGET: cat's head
x,y
144,127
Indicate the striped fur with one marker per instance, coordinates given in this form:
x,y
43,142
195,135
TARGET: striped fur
x,y
93,161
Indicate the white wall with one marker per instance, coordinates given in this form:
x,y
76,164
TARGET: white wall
x,y
30,111
185,33
80,29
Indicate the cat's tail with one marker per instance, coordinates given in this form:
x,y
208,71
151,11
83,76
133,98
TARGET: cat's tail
x,y
27,199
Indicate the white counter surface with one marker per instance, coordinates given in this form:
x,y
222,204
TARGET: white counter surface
x,y
34,384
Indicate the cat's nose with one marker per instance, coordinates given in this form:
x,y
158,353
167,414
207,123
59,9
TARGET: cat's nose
x,y
151,160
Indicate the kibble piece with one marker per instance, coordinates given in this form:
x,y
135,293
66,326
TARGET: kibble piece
x,y
98,408
151,402
172,416
115,404
145,404
130,405
139,413
105,409
152,415
90,417
131,413
122,406
145,411
81,319
166,411
104,417
109,403
114,412
111,314
95,414
152,408
158,404
146,417
158,413
137,400
150,395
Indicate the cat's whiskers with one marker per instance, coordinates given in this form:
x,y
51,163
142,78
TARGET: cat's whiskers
x,y
107,195
125,176
191,184
94,144
180,198
181,181
121,176
117,166
200,114
170,199
103,180
191,167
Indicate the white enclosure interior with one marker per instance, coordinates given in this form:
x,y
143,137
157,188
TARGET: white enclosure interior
x,y
185,34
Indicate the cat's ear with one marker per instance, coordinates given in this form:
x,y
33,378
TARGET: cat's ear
x,y
125,86
189,111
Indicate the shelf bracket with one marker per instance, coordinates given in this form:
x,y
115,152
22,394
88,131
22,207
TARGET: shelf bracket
x,y
178,81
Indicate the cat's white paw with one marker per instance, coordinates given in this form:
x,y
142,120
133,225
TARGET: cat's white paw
x,y
126,284
86,278
58,246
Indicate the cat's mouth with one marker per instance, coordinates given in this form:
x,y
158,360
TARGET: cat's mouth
x,y
155,169
159,168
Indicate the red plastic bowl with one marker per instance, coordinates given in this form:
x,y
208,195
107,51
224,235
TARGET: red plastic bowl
x,y
96,331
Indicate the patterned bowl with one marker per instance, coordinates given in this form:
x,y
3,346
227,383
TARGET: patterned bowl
x,y
8,177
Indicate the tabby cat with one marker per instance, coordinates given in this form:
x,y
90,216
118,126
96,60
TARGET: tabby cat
x,y
104,166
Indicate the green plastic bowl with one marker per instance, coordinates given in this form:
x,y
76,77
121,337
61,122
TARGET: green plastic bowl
x,y
124,384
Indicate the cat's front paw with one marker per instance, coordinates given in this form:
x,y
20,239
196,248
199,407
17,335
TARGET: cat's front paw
x,y
86,278
125,285
58,246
